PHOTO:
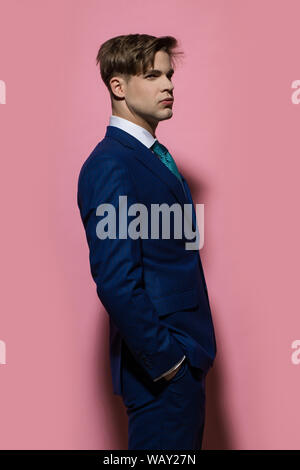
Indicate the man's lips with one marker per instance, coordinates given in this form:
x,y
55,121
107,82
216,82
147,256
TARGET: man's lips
x,y
167,101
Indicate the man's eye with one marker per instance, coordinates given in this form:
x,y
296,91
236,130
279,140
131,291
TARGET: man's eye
x,y
152,75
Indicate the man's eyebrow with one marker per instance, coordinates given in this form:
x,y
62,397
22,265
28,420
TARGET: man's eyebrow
x,y
159,71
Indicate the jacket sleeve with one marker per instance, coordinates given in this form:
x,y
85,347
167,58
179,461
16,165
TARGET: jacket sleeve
x,y
117,268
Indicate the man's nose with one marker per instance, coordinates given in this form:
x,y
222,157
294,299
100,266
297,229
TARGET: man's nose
x,y
169,85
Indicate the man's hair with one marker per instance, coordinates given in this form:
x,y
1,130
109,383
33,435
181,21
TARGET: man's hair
x,y
132,54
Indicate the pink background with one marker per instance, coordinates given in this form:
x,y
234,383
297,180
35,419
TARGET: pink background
x,y
234,135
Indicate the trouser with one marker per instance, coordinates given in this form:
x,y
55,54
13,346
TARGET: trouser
x,y
173,416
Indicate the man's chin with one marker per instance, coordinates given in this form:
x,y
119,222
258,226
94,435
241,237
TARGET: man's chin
x,y
165,115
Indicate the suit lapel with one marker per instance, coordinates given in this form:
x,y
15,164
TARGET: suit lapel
x,y
190,200
154,164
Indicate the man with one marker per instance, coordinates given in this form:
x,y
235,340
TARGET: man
x,y
162,340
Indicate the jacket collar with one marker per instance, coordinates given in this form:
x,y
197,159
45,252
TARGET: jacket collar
x,y
150,160
158,168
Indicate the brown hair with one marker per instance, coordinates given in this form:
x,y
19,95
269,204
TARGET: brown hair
x,y
132,54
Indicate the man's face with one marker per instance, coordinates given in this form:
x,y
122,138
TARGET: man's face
x,y
144,93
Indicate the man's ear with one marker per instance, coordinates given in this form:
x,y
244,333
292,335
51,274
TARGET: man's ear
x,y
118,86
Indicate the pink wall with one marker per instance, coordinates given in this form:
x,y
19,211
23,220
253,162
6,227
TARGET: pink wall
x,y
234,135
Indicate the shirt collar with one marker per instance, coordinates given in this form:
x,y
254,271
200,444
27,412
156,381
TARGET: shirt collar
x,y
133,129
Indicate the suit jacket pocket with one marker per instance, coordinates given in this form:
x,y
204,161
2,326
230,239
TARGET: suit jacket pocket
x,y
176,302
180,373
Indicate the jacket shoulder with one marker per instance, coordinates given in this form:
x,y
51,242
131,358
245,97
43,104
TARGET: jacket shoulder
x,y
106,162
106,151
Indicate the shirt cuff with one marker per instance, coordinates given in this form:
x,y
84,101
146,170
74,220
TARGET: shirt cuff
x,y
170,370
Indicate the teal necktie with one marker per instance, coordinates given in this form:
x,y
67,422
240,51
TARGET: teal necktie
x,y
164,155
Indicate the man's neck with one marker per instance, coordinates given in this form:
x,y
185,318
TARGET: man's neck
x,y
139,122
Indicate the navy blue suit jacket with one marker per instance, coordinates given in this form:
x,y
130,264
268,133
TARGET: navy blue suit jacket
x,y
153,290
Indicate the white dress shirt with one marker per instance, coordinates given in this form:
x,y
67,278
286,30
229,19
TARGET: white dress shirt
x,y
148,140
